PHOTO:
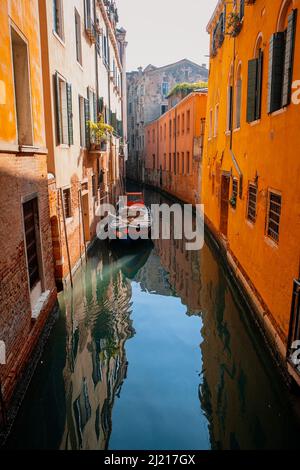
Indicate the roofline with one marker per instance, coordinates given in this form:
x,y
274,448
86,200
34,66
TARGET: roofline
x,y
171,65
220,2
189,96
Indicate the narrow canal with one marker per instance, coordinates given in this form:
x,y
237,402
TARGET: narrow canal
x,y
152,350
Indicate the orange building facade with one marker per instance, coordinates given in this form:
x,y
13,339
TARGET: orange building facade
x,y
27,285
251,169
173,149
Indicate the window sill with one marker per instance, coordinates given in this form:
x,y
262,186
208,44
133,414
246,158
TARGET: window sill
x,y
64,146
237,129
227,133
250,224
278,112
270,242
79,65
69,220
43,299
254,123
62,42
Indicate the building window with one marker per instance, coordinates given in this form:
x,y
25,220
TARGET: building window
x,y
58,24
281,61
174,127
182,122
170,128
149,138
174,163
78,37
32,241
255,76
94,186
165,89
164,109
274,214
183,163
178,125
188,121
22,89
188,163
210,124
177,163
216,121
161,133
252,202
165,131
64,113
170,162
67,203
82,122
153,136
229,107
234,196
238,105
153,161
165,161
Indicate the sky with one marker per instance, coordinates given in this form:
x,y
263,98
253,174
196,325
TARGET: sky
x,y
160,32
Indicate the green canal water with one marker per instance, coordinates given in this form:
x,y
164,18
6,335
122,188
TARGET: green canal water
x,y
153,350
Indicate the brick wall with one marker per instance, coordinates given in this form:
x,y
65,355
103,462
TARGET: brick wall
x,y
21,176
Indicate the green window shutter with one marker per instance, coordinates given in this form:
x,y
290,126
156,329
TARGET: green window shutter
x,y
100,104
275,74
224,20
95,107
230,108
252,86
70,113
289,59
59,136
242,9
259,85
86,119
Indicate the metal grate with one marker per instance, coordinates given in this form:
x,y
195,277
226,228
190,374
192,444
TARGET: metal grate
x,y
252,202
30,215
274,214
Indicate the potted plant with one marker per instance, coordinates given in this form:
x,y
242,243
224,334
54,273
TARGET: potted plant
x,y
234,24
99,133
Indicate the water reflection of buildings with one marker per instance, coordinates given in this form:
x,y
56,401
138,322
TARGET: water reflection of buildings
x,y
98,324
240,392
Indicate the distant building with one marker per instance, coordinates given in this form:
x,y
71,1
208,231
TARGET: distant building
x,y
147,92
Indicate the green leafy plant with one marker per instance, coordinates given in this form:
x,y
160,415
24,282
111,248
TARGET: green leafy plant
x,y
100,131
186,88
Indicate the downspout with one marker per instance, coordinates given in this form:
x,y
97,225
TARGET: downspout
x,y
235,162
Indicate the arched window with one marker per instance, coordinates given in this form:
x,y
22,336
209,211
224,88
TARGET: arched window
x,y
238,96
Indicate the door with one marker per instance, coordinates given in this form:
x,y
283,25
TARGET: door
x,y
86,216
293,349
225,187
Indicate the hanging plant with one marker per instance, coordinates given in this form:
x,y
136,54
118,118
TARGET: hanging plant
x,y
100,131
234,24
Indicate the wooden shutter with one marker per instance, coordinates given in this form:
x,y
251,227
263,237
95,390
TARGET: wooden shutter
x,y
252,86
230,110
275,74
242,9
289,58
59,136
86,120
95,107
224,20
70,113
259,85
30,214
100,104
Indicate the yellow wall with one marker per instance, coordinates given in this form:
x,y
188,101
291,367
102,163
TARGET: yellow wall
x,y
267,149
23,15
